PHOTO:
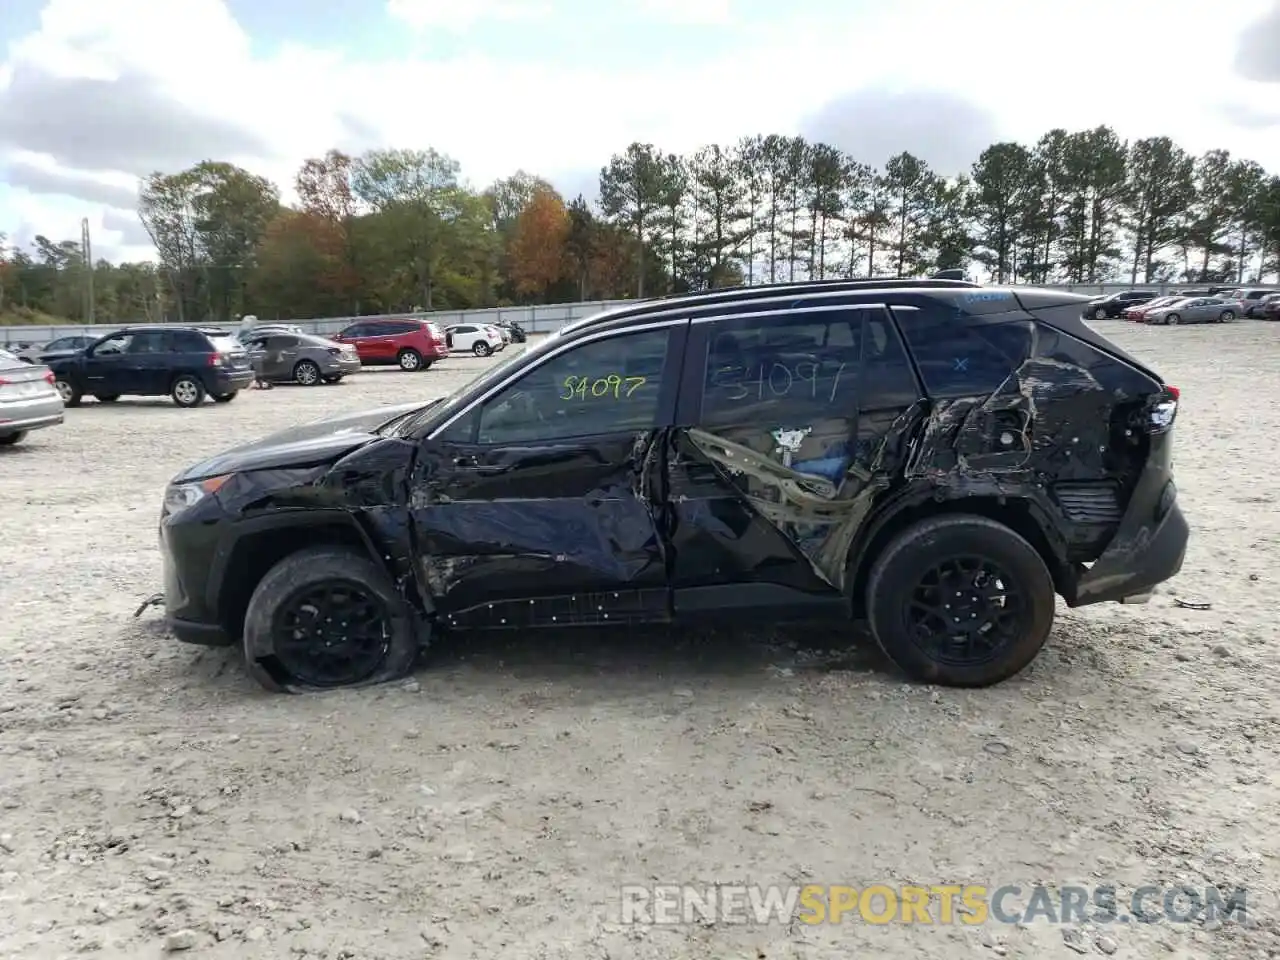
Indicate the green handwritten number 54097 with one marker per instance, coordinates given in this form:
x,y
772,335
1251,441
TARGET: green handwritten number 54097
x,y
598,388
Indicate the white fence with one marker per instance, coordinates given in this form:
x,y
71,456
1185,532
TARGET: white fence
x,y
536,319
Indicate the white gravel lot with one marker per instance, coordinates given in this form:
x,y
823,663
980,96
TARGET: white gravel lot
x,y
152,798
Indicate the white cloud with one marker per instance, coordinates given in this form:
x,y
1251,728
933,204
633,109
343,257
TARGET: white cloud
x,y
463,14
1028,66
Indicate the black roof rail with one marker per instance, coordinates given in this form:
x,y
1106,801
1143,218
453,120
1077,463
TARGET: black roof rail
x,y
744,292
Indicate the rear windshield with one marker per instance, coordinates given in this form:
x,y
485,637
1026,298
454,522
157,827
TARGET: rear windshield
x,y
311,340
226,344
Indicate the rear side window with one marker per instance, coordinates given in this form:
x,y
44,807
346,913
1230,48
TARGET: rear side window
x,y
958,356
188,341
800,366
399,326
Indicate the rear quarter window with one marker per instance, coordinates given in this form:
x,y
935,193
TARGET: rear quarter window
x,y
960,357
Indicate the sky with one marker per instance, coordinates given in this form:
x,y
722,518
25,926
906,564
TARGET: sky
x,y
96,94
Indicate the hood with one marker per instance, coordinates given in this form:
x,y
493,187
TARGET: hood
x,y
321,441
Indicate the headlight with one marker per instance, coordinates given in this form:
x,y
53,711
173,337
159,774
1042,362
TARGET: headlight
x,y
179,496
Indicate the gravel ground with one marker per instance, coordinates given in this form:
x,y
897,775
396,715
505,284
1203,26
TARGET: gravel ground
x,y
152,799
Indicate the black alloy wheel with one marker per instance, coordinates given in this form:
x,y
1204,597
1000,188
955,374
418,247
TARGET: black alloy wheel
x,y
333,633
965,612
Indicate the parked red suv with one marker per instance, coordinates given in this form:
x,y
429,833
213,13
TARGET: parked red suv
x,y
412,344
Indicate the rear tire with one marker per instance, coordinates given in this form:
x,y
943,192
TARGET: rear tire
x,y
337,378
908,608
187,391
409,360
1226,317
9,439
286,646
70,393
306,373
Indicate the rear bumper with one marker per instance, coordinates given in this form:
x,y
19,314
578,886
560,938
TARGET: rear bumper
x,y
1144,553
23,415
231,381
341,365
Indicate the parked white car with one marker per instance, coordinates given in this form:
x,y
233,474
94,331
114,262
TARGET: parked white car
x,y
481,339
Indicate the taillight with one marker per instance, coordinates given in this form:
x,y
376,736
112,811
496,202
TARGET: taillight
x,y
49,378
1164,410
215,359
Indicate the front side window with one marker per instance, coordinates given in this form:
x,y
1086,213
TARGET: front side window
x,y
113,345
601,387
355,330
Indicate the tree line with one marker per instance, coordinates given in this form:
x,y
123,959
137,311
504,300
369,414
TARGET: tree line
x,y
396,230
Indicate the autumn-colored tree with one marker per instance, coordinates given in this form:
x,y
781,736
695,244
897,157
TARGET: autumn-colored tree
x,y
324,189
537,254
301,269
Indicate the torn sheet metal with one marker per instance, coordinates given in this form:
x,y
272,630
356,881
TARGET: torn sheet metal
x,y
818,483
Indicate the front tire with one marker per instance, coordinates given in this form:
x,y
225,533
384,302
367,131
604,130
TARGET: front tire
x,y
960,601
225,397
409,360
107,397
306,373
1100,313
1172,319
334,378
481,349
327,617
187,392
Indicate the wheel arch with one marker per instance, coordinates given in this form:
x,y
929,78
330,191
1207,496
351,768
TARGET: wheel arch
x,y
1022,515
261,543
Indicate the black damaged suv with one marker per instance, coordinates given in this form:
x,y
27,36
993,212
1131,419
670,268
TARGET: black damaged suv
x,y
938,458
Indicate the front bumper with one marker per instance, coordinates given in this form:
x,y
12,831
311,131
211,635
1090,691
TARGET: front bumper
x,y
189,551
19,416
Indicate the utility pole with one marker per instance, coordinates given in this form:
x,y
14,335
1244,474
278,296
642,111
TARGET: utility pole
x,y
87,253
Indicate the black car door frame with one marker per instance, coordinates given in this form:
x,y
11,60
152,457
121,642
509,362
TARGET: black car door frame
x,y
108,374
563,532
746,562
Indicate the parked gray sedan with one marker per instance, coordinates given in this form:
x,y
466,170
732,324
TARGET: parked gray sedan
x,y
1195,310
62,347
300,358
28,399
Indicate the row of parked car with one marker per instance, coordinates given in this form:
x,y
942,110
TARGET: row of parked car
x,y
1214,305
193,362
